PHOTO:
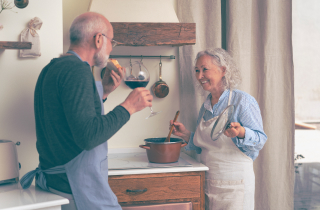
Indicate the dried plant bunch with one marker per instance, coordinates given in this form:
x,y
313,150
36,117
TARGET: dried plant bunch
x,y
5,5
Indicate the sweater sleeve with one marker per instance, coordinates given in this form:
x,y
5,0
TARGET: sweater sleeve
x,y
78,94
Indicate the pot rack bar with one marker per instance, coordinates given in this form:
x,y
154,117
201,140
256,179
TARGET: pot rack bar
x,y
142,56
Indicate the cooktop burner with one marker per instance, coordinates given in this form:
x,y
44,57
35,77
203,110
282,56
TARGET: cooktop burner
x,y
138,161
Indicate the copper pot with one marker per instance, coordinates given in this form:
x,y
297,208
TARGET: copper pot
x,y
159,151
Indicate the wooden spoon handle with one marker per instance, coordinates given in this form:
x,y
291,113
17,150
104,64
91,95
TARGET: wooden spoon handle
x,y
171,128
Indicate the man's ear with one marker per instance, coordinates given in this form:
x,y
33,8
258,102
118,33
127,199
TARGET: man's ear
x,y
98,41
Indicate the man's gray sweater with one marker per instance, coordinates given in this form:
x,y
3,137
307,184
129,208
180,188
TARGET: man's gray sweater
x,y
68,116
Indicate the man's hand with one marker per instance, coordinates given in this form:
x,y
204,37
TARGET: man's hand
x,y
235,130
111,80
137,100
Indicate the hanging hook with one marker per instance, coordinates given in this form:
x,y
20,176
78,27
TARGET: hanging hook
x,y
160,67
140,62
131,77
130,66
130,62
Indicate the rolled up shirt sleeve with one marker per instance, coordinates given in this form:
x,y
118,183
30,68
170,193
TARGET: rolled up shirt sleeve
x,y
250,118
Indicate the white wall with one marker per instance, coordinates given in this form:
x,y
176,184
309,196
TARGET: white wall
x,y
18,76
306,51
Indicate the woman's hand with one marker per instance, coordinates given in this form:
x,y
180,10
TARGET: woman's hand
x,y
180,130
235,130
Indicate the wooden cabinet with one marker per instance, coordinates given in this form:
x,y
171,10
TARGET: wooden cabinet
x,y
160,188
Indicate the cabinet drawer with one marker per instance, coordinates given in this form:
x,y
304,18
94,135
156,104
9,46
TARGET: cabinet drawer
x,y
156,188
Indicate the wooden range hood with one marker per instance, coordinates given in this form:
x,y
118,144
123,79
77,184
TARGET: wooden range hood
x,y
154,34
145,22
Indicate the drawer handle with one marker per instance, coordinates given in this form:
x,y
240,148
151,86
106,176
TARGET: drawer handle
x,y
137,191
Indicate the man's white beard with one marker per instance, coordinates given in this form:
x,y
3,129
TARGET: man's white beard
x,y
100,59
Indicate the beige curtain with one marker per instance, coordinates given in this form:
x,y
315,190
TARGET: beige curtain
x,y
258,36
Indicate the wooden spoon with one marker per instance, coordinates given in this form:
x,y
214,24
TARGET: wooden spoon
x,y
171,128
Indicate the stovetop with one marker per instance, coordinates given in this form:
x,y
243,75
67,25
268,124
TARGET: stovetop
x,y
124,161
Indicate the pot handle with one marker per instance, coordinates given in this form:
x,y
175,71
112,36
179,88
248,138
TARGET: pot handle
x,y
184,144
144,146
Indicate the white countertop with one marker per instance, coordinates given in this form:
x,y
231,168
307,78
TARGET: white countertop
x,y
13,197
126,161
132,160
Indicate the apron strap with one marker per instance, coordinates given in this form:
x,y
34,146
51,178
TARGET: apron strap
x,y
41,181
230,96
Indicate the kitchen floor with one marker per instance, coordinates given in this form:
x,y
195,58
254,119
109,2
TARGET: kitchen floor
x,y
307,176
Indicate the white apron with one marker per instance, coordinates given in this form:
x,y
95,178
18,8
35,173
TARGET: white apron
x,y
230,181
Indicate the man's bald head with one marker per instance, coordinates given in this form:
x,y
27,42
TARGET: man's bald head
x,y
85,26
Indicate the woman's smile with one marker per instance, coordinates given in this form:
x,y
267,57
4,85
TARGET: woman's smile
x,y
208,74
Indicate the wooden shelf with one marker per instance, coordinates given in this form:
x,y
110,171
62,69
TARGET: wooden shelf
x,y
154,34
15,45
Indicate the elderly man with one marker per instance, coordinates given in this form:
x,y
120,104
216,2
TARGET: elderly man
x,y
72,130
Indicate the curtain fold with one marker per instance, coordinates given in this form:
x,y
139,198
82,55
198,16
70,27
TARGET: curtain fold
x,y
258,36
191,95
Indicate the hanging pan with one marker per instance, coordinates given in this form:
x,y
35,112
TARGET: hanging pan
x,y
160,89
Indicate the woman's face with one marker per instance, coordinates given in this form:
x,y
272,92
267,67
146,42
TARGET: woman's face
x,y
208,74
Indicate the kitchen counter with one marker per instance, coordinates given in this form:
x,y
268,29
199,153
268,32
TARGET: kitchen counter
x,y
137,183
123,163
135,161
13,197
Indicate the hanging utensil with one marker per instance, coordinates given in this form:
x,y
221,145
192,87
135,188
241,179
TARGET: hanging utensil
x,y
131,77
21,3
172,126
160,88
141,74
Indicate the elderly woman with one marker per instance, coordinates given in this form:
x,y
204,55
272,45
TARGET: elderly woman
x,y
230,181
